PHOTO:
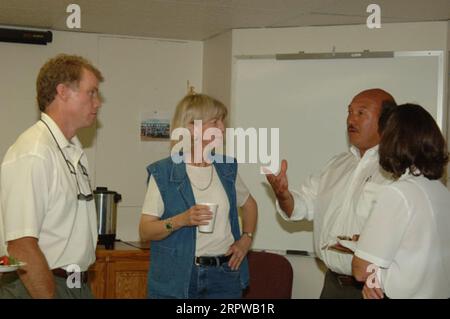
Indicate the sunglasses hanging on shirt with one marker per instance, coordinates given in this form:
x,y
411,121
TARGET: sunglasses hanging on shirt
x,y
72,170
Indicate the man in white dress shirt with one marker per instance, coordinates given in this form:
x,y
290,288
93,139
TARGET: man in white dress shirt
x,y
339,198
48,215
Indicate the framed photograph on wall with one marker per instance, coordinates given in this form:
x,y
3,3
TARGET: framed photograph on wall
x,y
155,126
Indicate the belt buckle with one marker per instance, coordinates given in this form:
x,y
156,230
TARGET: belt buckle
x,y
211,261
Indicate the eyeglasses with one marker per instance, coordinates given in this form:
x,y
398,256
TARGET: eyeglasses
x,y
80,195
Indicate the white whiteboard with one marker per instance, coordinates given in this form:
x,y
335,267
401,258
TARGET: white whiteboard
x,y
307,100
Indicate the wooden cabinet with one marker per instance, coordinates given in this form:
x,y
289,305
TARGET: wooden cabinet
x,y
120,272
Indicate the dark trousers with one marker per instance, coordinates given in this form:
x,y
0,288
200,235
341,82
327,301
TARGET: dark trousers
x,y
338,286
11,287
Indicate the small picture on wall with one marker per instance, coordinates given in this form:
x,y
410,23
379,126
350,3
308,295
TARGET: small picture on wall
x,y
155,126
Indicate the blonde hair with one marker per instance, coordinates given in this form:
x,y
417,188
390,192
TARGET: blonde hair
x,y
197,107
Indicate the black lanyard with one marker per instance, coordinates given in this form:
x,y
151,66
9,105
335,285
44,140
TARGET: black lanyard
x,y
72,169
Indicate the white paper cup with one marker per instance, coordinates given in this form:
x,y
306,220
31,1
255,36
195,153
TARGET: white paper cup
x,y
210,226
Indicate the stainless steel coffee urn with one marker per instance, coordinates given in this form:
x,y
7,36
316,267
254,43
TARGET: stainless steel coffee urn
x,y
106,206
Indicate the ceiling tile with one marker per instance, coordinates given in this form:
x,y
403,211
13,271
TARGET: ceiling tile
x,y
201,19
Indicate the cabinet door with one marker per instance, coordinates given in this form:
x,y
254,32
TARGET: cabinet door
x,y
127,279
97,279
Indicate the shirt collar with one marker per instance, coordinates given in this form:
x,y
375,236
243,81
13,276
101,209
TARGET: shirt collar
x,y
371,152
74,144
58,134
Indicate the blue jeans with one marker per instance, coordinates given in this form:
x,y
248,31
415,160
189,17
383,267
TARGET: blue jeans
x,y
209,282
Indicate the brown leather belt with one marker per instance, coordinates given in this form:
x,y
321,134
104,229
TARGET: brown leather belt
x,y
59,272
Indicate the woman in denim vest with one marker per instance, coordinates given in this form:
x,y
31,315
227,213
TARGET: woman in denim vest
x,y
185,261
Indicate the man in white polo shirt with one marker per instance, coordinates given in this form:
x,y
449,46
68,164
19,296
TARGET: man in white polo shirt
x,y
49,218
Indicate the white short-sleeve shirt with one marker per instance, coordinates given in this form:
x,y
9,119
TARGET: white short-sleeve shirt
x,y
408,236
208,244
39,196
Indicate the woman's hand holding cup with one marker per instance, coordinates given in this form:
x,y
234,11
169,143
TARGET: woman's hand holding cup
x,y
197,215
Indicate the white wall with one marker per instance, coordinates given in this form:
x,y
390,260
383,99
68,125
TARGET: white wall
x,y
391,37
140,74
308,276
217,60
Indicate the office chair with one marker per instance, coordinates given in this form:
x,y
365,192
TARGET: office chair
x,y
271,276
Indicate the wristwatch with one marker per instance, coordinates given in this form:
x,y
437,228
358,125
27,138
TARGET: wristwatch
x,y
248,234
168,224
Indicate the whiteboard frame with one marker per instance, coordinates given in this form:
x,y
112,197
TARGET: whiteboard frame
x,y
440,109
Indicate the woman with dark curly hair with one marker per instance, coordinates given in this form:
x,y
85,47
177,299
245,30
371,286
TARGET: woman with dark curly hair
x,y
407,237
